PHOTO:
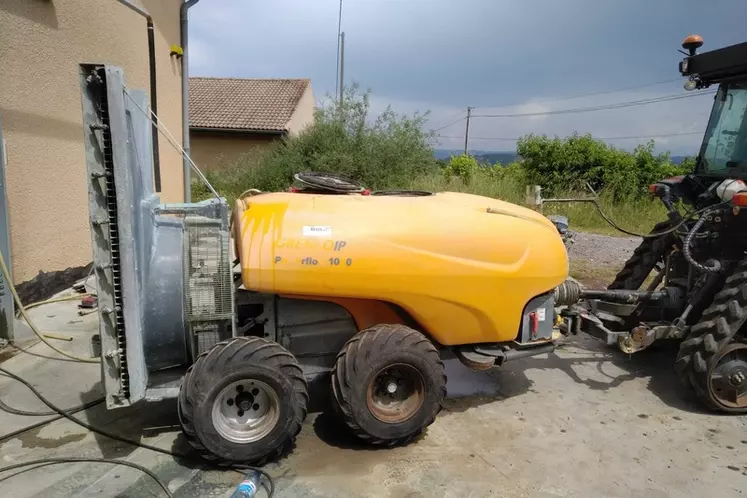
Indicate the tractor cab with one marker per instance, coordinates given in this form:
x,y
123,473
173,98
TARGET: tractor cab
x,y
723,153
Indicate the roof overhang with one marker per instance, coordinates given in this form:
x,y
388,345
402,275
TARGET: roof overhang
x,y
239,131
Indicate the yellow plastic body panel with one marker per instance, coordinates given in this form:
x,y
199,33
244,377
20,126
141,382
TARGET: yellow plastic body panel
x,y
463,266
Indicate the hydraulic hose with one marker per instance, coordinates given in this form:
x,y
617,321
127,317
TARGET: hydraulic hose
x,y
57,300
711,266
22,309
236,467
617,227
49,461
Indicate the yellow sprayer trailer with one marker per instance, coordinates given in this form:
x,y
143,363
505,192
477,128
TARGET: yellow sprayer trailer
x,y
242,314
362,293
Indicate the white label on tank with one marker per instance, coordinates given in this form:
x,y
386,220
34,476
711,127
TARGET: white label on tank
x,y
317,231
541,314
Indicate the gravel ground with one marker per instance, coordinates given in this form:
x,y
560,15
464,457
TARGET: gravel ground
x,y
602,250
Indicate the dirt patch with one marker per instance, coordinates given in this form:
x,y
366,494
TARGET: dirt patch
x,y
595,259
31,439
592,275
45,285
603,250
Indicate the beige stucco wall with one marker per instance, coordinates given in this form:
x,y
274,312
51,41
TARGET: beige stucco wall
x,y
212,150
41,44
304,114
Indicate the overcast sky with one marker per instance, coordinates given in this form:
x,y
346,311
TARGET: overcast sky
x,y
445,55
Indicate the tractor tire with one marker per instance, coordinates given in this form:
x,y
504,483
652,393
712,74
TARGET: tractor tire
x,y
243,401
389,384
711,340
644,259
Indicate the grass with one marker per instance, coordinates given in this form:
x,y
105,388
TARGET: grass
x,y
637,215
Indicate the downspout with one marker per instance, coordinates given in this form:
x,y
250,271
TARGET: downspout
x,y
153,89
184,17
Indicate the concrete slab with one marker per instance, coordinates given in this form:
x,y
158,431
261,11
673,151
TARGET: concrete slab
x,y
586,421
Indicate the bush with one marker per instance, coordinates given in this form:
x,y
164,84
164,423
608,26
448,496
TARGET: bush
x,y
567,164
383,153
462,167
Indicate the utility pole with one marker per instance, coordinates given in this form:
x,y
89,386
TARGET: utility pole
x,y
342,69
466,132
337,68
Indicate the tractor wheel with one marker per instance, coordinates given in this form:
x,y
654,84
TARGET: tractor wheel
x,y
243,401
644,259
711,359
389,384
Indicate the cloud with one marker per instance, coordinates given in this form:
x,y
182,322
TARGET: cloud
x,y
446,55
688,115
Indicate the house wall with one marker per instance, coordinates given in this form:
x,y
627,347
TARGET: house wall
x,y
304,114
42,42
213,151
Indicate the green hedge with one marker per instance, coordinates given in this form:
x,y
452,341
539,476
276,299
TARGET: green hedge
x,y
394,151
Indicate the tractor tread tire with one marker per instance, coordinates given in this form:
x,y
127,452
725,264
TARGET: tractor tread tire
x,y
718,326
224,358
645,257
353,372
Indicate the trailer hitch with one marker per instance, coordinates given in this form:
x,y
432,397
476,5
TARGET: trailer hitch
x,y
625,296
608,315
570,292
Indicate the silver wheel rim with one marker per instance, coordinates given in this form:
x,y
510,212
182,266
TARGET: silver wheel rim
x,y
245,411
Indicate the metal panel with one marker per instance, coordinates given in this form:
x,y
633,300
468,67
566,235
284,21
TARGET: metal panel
x,y
543,306
127,224
313,328
158,246
164,329
6,298
97,141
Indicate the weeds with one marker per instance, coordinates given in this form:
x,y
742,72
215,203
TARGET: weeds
x,y
393,151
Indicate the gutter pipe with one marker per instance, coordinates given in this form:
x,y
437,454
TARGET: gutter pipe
x,y
153,89
184,29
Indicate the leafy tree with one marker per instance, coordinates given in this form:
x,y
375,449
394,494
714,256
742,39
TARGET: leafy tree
x,y
382,152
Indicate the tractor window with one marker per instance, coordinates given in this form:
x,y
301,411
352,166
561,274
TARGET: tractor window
x,y
724,150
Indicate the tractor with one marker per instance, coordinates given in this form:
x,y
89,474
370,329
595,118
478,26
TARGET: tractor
x,y
241,315
687,279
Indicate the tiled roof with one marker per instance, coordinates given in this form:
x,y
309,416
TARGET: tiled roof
x,y
244,104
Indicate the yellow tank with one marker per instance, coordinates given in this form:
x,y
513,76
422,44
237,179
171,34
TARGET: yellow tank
x,y
462,266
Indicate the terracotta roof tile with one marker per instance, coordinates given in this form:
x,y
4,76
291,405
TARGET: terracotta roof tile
x,y
244,104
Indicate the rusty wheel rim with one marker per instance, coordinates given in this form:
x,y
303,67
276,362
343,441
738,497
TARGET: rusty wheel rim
x,y
728,377
396,393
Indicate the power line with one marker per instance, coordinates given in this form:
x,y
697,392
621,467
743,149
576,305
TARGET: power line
x,y
604,92
451,116
578,110
452,123
633,103
659,135
480,138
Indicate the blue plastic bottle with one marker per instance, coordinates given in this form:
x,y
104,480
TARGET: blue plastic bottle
x,y
249,486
